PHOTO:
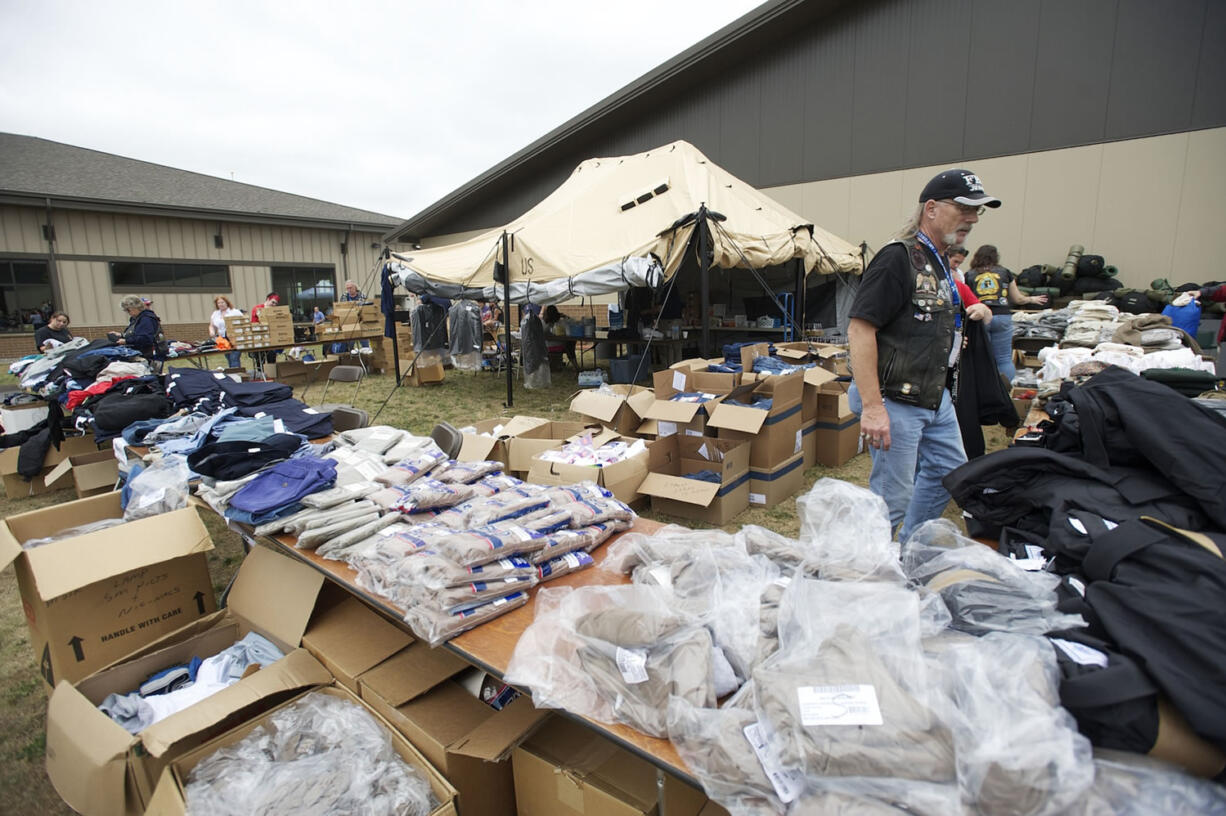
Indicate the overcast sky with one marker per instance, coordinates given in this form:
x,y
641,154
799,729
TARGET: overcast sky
x,y
387,106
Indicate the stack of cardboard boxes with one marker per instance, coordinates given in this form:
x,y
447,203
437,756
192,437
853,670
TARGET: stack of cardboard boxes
x,y
276,328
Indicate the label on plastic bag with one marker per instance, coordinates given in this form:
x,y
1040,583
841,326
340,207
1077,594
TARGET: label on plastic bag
x,y
788,784
839,705
632,663
1081,653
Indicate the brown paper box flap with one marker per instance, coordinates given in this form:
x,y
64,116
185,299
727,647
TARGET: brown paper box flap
x,y
411,673
678,488
353,637
275,594
495,738
669,411
167,799
738,418
296,670
86,754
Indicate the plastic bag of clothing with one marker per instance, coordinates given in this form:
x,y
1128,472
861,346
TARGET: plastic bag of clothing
x,y
321,754
984,590
846,529
379,439
1136,785
848,693
534,353
665,544
615,654
159,488
1018,750
436,626
581,539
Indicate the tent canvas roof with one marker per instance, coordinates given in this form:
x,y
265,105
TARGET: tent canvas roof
x,y
633,207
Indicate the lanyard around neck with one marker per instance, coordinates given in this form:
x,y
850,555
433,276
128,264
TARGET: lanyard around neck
x,y
949,279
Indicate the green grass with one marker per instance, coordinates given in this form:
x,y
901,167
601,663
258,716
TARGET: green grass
x,y
463,398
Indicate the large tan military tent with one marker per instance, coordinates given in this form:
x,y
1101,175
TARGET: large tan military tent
x,y
627,221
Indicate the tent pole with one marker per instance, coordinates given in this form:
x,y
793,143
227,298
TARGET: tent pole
x,y
704,267
390,319
506,315
798,302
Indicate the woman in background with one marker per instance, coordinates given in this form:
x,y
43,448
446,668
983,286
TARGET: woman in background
x,y
56,331
217,326
144,327
995,287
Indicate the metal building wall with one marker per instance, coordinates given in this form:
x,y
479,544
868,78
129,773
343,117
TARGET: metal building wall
x,y
87,241
884,86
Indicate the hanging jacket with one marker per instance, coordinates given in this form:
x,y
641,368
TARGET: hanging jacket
x,y
464,324
983,398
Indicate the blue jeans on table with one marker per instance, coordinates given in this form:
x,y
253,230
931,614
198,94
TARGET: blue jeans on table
x,y
924,446
1000,332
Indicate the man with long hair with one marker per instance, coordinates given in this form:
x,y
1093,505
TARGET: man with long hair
x,y
905,334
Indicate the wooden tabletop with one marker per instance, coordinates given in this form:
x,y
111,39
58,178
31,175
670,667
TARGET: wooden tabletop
x,y
490,645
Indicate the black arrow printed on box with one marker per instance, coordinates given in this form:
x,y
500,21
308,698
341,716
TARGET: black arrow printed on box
x,y
77,651
199,596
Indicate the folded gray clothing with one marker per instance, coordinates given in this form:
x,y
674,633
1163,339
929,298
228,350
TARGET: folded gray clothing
x,y
339,495
310,539
911,742
586,538
433,625
413,467
877,797
453,472
338,547
317,518
1136,785
629,628
637,682
768,619
377,439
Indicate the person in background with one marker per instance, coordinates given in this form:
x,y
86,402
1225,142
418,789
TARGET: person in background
x,y
956,256
144,327
318,316
491,317
905,335
56,331
995,286
558,342
352,293
217,326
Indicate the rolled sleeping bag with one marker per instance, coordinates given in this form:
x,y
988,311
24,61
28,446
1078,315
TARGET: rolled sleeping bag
x,y
1069,271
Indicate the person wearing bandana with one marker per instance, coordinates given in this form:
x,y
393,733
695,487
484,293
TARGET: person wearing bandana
x,y
905,335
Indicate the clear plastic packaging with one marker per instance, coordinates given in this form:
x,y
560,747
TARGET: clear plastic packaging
x,y
377,439
846,531
159,488
413,467
353,466
984,590
312,538
436,627
336,496
508,504
481,545
1018,750
663,546
73,532
786,552
586,539
454,472
1137,785
563,565
613,653
321,754
428,493
338,547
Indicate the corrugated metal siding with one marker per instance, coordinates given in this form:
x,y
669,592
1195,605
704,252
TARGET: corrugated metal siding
x,y
87,241
913,83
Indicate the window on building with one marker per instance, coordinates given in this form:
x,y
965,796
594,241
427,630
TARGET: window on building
x,y
25,294
165,277
302,288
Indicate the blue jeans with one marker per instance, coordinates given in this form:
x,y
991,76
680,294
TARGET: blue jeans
x,y
1000,332
924,446
234,359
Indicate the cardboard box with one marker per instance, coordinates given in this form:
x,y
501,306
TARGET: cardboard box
x,y
832,404
567,769
93,599
15,486
491,438
349,638
619,407
771,486
1020,403
621,478
836,442
89,473
169,799
99,768
417,374
467,740
528,441
674,456
808,442
684,417
774,434
296,372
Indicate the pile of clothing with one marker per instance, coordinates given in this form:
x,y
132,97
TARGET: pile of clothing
x,y
835,673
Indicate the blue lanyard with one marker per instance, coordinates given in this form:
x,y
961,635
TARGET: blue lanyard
x,y
953,287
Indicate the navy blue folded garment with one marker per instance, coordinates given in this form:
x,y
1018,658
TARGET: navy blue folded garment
x,y
297,416
246,394
703,476
188,386
282,485
233,460
732,351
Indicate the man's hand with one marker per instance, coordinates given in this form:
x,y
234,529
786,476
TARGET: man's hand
x,y
875,426
978,311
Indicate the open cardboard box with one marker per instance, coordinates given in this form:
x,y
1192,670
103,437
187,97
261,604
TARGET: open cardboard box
x,y
671,416
619,407
169,798
674,456
89,473
621,478
467,740
490,440
16,487
567,769
769,486
349,638
775,434
524,445
99,768
418,374
93,599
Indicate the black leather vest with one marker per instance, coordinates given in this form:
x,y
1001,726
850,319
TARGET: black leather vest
x,y
913,349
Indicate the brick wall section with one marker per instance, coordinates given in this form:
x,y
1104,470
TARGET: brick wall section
x,y
16,346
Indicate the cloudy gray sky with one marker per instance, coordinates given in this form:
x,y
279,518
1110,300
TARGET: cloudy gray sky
x,y
382,105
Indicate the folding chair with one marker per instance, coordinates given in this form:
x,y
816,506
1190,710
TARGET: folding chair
x,y
345,418
343,373
447,438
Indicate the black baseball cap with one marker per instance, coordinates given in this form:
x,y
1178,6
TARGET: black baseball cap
x,y
962,186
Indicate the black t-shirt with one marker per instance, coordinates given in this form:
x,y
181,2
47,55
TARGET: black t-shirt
x,y
885,287
44,333
991,286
